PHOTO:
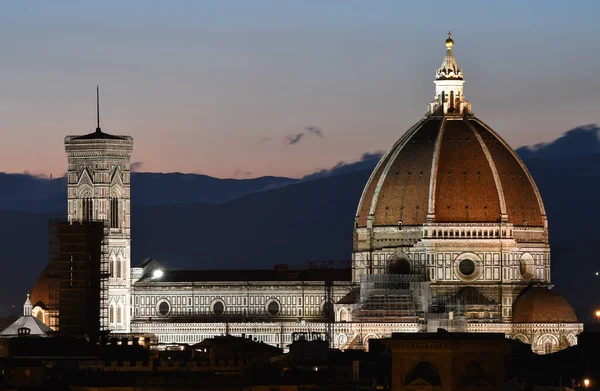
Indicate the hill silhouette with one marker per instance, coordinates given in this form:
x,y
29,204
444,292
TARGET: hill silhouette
x,y
305,220
29,193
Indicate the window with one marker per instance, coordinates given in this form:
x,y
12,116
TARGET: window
x,y
343,315
86,209
118,268
273,308
111,314
164,308
119,314
218,308
466,267
114,213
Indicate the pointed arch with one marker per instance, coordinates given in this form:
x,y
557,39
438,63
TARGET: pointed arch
x,y
547,344
116,177
85,191
116,191
424,371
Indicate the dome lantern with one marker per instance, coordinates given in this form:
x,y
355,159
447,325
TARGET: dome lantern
x,y
449,98
27,307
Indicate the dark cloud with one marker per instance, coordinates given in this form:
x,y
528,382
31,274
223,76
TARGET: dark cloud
x,y
136,166
314,130
367,161
295,138
580,141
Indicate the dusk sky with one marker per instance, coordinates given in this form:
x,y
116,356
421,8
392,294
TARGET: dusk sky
x,y
221,87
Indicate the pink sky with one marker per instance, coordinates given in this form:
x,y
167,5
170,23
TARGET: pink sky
x,y
201,87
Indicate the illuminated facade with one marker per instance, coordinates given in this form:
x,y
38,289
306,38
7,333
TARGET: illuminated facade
x,y
450,232
99,190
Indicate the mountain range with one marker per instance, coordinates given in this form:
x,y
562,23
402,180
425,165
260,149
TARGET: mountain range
x,y
197,222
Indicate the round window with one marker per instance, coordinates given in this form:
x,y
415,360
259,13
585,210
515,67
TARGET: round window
x,y
399,266
527,267
273,308
218,308
164,308
466,267
523,267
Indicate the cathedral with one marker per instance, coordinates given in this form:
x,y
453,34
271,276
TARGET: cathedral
x,y
450,232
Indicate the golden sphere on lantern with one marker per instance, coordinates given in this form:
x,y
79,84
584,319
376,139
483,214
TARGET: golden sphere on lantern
x,y
449,41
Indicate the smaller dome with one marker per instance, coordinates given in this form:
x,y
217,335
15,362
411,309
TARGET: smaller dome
x,y
40,292
542,305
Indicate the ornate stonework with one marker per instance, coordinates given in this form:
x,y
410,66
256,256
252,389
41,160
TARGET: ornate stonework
x,y
99,189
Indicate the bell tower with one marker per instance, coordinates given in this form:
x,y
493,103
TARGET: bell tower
x,y
99,190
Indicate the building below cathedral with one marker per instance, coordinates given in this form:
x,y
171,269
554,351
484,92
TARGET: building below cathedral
x,y
450,232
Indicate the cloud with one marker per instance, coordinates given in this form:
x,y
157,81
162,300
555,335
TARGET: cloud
x,y
136,166
367,161
580,141
295,138
263,140
314,130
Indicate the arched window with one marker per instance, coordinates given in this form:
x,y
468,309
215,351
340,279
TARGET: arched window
x,y
111,267
111,314
114,212
118,268
119,314
86,209
343,315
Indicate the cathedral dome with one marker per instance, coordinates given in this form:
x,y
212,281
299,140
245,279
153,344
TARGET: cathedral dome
x,y
542,305
40,292
450,170
450,167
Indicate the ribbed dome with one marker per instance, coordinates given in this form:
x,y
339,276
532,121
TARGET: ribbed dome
x,y
40,292
451,169
542,305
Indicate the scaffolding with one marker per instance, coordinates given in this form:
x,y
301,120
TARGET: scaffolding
x,y
77,278
409,298
398,298
454,309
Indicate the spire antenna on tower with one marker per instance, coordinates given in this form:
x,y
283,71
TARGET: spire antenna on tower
x,y
98,108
